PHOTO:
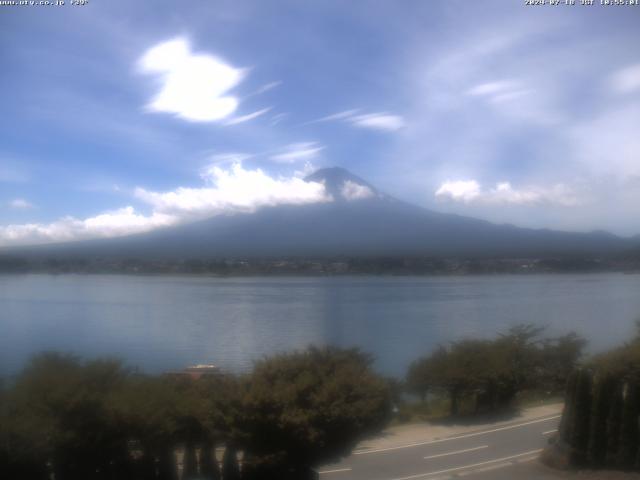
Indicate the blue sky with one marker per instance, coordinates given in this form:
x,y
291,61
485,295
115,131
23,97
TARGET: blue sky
x,y
119,117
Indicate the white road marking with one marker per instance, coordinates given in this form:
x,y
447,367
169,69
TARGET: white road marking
x,y
468,435
550,431
323,472
495,466
464,467
456,452
525,460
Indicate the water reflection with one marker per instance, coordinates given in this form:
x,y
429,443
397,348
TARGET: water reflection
x,y
161,323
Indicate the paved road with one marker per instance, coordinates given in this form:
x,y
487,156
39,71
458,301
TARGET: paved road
x,y
489,453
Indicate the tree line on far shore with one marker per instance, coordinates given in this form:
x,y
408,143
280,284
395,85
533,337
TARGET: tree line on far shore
x,y
98,419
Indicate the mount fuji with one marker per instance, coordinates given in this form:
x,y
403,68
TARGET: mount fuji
x,y
358,221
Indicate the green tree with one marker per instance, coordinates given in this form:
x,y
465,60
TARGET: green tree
x,y
309,407
613,426
421,377
568,414
61,409
604,385
445,370
579,436
623,361
521,360
491,372
230,468
150,409
558,358
628,446
473,370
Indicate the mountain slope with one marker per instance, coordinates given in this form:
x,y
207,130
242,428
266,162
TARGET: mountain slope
x,y
361,221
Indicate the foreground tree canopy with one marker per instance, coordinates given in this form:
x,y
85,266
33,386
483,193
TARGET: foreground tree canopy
x,y
493,372
78,419
310,407
98,419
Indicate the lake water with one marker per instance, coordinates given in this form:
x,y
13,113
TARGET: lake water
x,y
162,323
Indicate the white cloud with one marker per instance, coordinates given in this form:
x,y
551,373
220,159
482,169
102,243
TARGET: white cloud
x,y
608,144
339,116
354,191
110,224
478,112
626,80
20,203
558,194
459,191
345,114
500,91
227,191
511,97
226,158
231,191
248,117
375,121
194,86
307,169
277,118
378,121
470,191
296,152
266,87
494,88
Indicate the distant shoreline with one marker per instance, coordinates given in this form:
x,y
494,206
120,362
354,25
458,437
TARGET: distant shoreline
x,y
331,267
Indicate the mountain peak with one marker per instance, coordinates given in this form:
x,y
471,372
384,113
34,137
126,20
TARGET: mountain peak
x,y
341,184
